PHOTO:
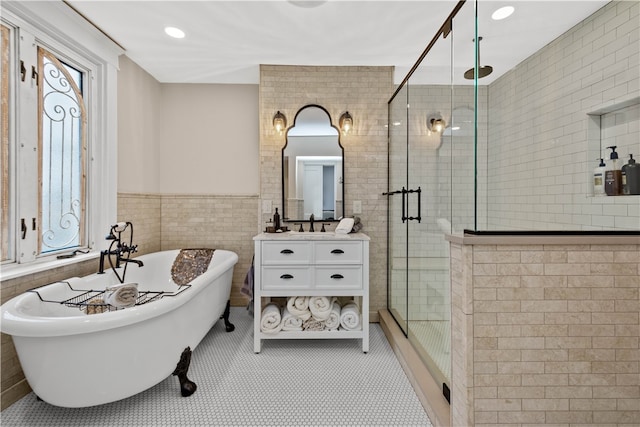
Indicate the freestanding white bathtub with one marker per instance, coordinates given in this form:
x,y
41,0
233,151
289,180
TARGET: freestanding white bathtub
x,y
72,359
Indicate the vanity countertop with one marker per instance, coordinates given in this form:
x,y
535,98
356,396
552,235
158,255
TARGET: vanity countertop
x,y
296,235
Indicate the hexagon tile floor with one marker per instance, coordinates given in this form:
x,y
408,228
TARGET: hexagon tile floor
x,y
290,383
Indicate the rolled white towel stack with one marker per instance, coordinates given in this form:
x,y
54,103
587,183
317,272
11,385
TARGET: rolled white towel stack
x,y
350,316
122,295
299,307
333,321
290,322
316,313
320,307
271,319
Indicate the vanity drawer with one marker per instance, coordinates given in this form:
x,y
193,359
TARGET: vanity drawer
x,y
286,278
338,252
343,277
286,252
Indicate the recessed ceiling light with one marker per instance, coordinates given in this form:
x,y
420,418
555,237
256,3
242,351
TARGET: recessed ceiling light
x,y
503,12
174,32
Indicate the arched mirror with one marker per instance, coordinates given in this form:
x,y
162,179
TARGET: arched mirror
x,y
312,168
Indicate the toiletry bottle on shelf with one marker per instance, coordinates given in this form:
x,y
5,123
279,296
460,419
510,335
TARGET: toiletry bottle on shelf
x,y
276,220
598,179
613,175
631,177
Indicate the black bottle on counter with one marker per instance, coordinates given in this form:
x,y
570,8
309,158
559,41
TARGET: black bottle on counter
x,y
276,220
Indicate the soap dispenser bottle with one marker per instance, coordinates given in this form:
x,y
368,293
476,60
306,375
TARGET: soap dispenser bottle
x,y
598,179
613,175
631,177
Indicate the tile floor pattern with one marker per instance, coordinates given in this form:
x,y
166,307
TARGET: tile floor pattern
x,y
290,383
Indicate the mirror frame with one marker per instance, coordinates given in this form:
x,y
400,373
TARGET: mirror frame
x,y
338,215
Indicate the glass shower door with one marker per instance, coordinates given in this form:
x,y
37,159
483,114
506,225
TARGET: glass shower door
x,y
422,130
397,229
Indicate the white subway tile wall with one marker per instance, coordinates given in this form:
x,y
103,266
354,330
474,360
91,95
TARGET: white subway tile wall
x,y
539,176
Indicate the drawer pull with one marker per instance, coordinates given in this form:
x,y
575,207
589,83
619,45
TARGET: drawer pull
x,y
337,251
286,276
286,251
337,276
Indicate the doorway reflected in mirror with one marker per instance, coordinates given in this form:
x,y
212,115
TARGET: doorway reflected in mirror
x,y
312,168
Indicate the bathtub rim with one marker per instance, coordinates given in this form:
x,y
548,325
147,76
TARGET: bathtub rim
x,y
19,324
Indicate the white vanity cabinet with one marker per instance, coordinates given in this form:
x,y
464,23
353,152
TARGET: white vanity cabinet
x,y
311,264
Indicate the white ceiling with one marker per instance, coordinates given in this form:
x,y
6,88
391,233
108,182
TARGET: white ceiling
x,y
227,40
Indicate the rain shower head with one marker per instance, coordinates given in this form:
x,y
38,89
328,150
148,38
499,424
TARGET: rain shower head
x,y
483,70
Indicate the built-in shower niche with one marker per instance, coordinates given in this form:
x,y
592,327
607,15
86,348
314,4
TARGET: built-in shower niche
x,y
614,125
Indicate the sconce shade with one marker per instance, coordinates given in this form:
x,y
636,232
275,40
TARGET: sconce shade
x,y
279,122
436,124
346,122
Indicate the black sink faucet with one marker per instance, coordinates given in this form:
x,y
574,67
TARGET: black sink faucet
x,y
311,219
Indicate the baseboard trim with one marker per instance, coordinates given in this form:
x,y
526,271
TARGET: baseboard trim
x,y
14,393
429,392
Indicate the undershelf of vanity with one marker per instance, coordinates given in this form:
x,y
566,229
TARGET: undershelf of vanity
x,y
308,257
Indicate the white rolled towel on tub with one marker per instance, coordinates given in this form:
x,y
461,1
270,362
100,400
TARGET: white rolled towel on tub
x,y
271,319
350,316
299,307
320,307
333,321
290,322
122,295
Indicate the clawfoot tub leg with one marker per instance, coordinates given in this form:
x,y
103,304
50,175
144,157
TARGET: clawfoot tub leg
x,y
187,387
228,325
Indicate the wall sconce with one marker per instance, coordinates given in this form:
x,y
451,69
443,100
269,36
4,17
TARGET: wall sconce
x,y
346,123
436,124
279,122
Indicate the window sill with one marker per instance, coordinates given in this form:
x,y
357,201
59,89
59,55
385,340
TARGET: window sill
x,y
13,271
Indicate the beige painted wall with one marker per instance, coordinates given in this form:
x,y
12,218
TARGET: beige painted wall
x,y
139,99
209,139
185,138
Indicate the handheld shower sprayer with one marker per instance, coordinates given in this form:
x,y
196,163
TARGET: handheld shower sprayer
x,y
120,227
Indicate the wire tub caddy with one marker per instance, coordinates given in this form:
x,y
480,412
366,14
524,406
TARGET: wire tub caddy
x,y
83,298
